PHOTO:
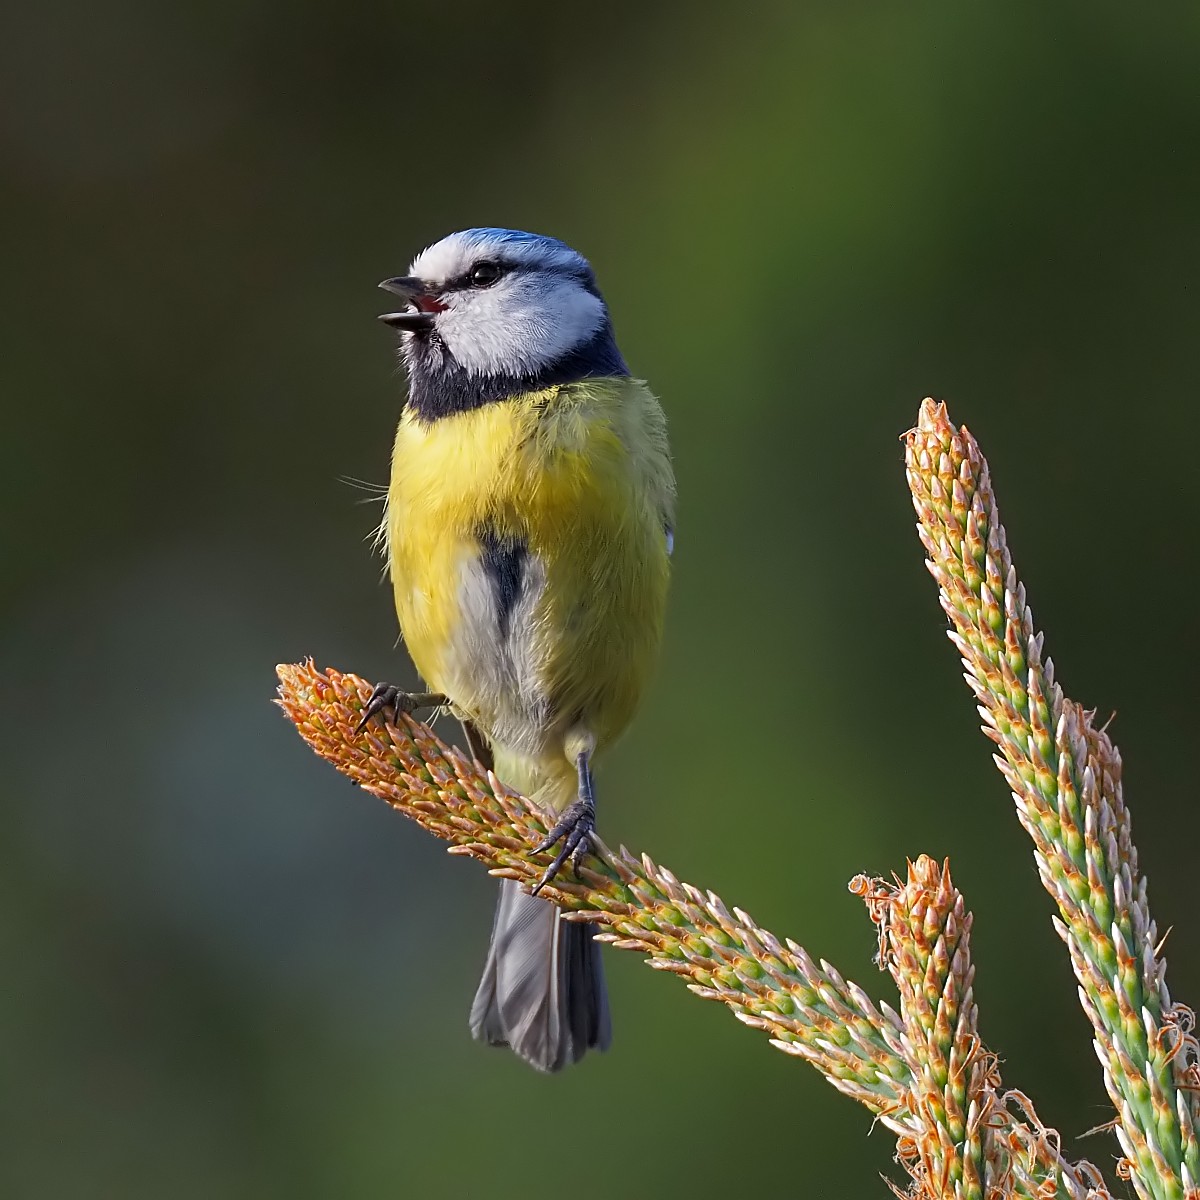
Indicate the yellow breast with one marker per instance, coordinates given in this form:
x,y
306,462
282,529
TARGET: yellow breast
x,y
575,480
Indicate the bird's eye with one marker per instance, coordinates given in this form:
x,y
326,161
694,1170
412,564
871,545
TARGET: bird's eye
x,y
485,274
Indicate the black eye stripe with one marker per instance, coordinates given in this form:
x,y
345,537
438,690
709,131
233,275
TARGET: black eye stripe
x,y
466,282
462,283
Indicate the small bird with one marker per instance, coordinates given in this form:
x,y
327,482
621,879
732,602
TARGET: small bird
x,y
528,528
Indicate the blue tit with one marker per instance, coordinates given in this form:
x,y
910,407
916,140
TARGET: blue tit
x,y
528,530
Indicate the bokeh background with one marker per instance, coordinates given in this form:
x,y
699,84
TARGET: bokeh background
x,y
227,973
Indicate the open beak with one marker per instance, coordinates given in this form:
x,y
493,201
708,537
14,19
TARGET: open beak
x,y
416,319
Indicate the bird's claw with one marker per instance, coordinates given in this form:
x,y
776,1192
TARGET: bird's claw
x,y
387,697
574,828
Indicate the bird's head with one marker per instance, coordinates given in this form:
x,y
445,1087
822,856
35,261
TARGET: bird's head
x,y
490,311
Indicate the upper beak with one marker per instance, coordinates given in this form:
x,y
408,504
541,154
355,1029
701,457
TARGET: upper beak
x,y
408,288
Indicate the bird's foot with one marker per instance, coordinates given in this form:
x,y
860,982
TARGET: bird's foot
x,y
388,698
574,828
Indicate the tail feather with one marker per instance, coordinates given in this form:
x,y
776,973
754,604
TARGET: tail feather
x,y
542,991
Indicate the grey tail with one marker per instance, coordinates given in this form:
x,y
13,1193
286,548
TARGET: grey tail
x,y
542,991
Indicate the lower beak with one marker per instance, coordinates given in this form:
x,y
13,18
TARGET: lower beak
x,y
410,322
408,288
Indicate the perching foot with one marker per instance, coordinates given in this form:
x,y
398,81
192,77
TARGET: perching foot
x,y
388,698
574,828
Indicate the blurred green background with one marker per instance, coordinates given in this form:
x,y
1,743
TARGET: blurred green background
x,y
227,973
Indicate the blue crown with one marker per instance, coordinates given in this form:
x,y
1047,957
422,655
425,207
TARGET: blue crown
x,y
515,237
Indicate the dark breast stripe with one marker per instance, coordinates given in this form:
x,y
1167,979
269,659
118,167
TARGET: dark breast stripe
x,y
503,559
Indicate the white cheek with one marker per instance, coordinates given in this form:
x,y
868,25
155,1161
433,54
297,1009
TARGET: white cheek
x,y
516,329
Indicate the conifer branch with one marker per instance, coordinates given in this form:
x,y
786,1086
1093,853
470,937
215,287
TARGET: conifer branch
x,y
976,1141
1065,777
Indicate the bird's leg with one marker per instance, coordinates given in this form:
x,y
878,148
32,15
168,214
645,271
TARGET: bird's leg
x,y
574,827
481,752
388,696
